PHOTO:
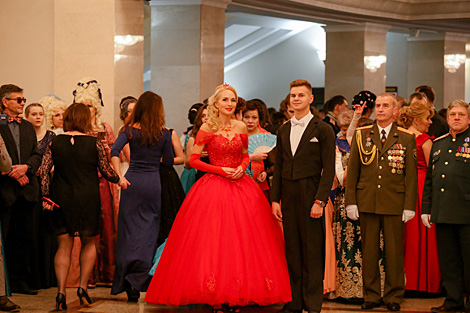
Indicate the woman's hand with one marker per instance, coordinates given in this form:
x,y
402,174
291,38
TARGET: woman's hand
x,y
229,171
123,183
237,174
262,177
358,109
204,154
258,156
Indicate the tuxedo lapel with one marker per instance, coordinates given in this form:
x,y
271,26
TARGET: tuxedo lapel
x,y
306,136
287,138
9,143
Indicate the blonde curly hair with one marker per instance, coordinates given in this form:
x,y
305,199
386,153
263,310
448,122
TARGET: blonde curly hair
x,y
51,104
213,121
88,91
417,109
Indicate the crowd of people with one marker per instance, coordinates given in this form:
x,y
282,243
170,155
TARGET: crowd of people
x,y
362,204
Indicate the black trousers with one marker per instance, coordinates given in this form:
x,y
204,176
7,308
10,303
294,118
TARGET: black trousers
x,y
17,231
305,244
453,247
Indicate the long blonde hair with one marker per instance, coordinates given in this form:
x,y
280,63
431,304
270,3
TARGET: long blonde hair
x,y
213,121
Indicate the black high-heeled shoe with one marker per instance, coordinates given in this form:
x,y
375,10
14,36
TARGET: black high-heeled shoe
x,y
60,304
83,296
133,294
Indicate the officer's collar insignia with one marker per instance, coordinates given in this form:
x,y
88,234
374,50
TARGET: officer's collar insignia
x,y
467,140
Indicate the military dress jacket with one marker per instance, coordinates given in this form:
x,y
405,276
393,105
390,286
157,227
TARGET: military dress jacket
x,y
446,194
382,180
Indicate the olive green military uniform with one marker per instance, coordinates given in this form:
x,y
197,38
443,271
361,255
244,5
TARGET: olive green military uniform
x,y
446,196
376,184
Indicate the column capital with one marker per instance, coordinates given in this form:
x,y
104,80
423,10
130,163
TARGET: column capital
x,y
214,3
362,27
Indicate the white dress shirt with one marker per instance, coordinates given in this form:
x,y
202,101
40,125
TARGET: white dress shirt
x,y
297,130
387,130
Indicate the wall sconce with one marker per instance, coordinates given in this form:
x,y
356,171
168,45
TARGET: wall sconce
x,y
121,42
452,62
374,62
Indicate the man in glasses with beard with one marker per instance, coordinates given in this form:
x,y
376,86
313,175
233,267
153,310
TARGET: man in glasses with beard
x,y
19,189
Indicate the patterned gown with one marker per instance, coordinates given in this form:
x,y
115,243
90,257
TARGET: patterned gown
x,y
347,235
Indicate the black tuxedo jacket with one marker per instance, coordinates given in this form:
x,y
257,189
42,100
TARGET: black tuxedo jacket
x,y
314,158
10,189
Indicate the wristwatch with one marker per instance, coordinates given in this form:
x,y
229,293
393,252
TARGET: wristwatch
x,y
321,203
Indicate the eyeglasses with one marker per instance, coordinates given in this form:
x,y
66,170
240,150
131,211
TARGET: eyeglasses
x,y
19,100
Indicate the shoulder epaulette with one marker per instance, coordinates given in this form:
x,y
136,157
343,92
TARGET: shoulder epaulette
x,y
442,137
365,127
404,130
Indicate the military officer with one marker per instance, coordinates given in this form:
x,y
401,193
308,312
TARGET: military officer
x,y
383,158
446,202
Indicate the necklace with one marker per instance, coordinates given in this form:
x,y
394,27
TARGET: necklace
x,y
227,128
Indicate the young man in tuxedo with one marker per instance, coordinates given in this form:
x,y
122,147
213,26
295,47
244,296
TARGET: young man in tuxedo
x,y
303,176
19,190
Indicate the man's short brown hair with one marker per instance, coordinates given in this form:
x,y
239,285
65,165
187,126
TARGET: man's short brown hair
x,y
301,82
6,90
428,91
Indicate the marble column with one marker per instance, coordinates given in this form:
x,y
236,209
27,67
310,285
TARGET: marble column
x,y
431,61
49,45
347,49
187,54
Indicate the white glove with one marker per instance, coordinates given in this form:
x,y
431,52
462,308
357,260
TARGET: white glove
x,y
352,212
426,219
407,215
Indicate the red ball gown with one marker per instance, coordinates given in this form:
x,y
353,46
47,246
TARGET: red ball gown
x,y
419,243
224,246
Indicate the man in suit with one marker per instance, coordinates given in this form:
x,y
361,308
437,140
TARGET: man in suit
x,y
439,125
381,189
303,176
19,191
446,203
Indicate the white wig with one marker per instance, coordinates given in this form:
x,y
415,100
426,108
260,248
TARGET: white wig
x,y
88,90
51,104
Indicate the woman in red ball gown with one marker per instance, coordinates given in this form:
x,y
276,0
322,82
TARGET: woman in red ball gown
x,y
224,249
419,243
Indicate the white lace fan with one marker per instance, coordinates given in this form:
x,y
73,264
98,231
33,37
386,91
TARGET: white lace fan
x,y
263,142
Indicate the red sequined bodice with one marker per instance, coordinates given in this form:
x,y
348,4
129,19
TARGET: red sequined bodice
x,y
223,151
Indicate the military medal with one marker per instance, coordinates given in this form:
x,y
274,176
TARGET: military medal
x,y
393,170
368,143
467,140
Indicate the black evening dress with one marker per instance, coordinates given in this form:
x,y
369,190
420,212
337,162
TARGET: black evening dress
x,y
75,184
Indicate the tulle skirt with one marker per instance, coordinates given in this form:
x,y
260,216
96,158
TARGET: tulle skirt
x,y
224,247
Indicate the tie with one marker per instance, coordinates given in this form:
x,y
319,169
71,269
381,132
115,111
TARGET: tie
x,y
12,119
384,137
297,123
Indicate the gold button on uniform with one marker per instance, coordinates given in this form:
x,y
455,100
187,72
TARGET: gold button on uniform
x,y
450,151
380,176
379,186
380,167
442,189
446,163
443,176
382,158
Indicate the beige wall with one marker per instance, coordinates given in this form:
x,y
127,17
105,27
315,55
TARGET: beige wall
x,y
51,44
27,46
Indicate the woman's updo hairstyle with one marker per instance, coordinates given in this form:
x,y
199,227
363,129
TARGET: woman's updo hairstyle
x,y
417,109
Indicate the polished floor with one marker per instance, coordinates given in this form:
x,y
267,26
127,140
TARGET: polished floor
x,y
103,302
